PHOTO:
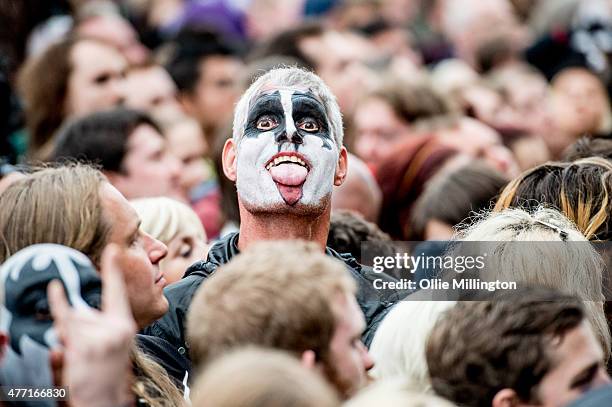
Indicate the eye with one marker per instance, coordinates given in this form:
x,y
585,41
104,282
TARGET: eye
x,y
309,125
186,250
102,78
266,123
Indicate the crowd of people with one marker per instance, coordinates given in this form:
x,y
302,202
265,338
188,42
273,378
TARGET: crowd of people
x,y
192,193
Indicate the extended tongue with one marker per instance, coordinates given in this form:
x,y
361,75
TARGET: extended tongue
x,y
289,174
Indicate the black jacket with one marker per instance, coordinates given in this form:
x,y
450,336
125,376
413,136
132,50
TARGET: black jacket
x,y
171,327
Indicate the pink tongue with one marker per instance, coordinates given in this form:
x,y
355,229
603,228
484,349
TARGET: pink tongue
x,y
289,179
289,174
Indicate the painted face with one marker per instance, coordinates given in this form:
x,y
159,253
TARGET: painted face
x,y
286,159
24,278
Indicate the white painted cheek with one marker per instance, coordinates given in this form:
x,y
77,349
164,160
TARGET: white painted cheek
x,y
254,183
321,178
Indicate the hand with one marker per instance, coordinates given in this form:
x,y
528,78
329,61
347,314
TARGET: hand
x,y
95,365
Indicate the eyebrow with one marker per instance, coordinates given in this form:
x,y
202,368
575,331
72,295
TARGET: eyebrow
x,y
135,232
265,104
585,376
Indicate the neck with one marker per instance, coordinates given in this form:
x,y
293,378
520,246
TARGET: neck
x,y
260,227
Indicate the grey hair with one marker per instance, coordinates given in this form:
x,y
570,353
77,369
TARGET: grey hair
x,y
290,77
574,268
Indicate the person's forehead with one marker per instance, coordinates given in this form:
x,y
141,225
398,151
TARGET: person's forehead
x,y
577,349
269,92
145,138
86,51
119,211
349,315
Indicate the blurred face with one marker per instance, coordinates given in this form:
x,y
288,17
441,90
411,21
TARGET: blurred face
x,y
149,170
152,90
186,142
118,32
480,141
350,360
579,102
340,60
379,131
287,157
216,92
139,258
184,250
97,78
578,367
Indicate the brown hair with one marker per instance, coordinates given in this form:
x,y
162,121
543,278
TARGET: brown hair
x,y
411,102
453,197
478,348
589,147
261,378
581,190
54,205
62,205
275,294
43,85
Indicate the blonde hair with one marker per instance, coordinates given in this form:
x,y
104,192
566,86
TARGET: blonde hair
x,y
164,218
395,393
54,205
261,378
581,190
274,294
398,348
573,268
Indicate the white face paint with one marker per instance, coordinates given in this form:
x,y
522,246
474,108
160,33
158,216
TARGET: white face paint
x,y
287,156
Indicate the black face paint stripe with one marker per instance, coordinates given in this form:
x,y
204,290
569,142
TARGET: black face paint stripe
x,y
266,104
305,105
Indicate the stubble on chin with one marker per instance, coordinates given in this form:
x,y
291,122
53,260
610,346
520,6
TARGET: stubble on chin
x,y
281,208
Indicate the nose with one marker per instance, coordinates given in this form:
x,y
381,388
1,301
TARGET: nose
x,y
155,249
294,138
366,147
368,362
174,166
117,90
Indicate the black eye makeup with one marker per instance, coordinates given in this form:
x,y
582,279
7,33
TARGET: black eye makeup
x,y
265,115
266,122
308,115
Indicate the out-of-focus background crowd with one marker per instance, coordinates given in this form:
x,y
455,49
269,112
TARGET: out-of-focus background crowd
x,y
422,85
475,120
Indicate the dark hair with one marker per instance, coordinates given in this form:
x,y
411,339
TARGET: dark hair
x,y
478,348
192,47
287,44
100,138
348,230
452,197
589,147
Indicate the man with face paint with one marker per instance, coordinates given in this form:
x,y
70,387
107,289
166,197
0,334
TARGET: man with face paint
x,y
286,154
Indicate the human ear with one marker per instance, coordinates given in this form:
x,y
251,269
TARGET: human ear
x,y
506,398
308,359
341,167
229,159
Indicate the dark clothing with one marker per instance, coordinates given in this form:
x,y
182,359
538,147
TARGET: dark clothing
x,y
177,365
171,327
